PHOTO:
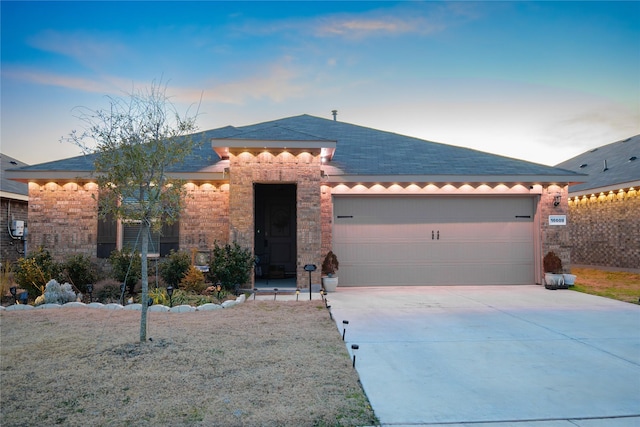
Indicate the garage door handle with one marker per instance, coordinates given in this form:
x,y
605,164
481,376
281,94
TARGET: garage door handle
x,y
438,234
432,235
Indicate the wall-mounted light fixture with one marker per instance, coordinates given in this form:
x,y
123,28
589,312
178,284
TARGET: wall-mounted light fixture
x,y
556,199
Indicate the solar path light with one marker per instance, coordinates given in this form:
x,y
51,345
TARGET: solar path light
x,y
170,293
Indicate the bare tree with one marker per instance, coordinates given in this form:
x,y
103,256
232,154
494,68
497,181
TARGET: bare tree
x,y
136,140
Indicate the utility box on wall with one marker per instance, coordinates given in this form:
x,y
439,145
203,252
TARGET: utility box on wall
x,y
17,228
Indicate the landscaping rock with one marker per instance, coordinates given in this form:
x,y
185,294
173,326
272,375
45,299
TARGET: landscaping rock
x,y
182,309
159,308
208,307
75,304
113,306
242,298
230,303
133,307
48,305
96,305
17,307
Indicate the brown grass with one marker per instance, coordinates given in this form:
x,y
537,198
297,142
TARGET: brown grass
x,y
261,363
622,286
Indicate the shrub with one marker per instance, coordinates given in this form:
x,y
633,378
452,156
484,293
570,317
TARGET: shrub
x,y
126,267
35,271
80,271
193,280
552,263
174,267
107,291
55,293
230,265
330,264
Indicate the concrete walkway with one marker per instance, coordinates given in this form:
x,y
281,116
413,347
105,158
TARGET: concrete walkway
x,y
494,356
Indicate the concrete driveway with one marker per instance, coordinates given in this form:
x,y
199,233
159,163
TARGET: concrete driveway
x,y
494,355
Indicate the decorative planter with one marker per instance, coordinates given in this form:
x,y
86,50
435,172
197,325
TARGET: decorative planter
x,y
569,279
330,283
554,281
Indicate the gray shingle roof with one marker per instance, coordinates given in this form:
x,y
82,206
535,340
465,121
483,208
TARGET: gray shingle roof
x,y
620,168
359,151
7,185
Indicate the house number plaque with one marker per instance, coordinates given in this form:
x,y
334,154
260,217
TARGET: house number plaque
x,y
557,220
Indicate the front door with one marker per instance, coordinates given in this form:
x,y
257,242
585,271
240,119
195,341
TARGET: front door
x,y
275,230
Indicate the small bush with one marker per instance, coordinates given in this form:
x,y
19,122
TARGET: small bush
x,y
193,280
174,267
55,293
230,265
80,271
552,263
35,271
107,291
126,267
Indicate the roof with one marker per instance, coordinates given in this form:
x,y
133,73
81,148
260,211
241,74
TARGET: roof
x,y
361,153
609,167
8,188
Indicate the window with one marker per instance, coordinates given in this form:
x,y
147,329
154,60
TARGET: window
x,y
114,235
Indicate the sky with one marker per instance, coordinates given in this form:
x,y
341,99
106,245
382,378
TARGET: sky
x,y
539,81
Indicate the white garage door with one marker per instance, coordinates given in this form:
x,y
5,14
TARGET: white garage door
x,y
439,240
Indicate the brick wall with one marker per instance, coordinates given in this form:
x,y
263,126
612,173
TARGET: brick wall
x,y
205,218
11,249
62,219
303,170
605,230
555,238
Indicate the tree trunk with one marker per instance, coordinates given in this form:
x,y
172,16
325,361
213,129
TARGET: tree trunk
x,y
145,279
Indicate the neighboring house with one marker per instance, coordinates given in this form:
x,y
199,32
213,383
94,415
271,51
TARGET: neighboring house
x,y
14,201
396,210
604,211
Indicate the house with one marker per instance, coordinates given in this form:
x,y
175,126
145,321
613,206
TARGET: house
x,y
14,201
396,210
604,210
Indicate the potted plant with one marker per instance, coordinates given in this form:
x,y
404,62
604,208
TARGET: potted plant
x,y
553,277
329,267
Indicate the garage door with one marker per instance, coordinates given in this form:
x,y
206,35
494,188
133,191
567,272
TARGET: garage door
x,y
437,240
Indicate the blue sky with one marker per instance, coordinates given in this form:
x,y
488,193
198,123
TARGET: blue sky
x,y
539,81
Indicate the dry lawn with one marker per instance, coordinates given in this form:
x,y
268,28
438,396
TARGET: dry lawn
x,y
622,286
261,363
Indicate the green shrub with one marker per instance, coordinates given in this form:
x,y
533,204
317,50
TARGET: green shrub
x,y
193,280
35,271
230,265
80,271
126,267
106,291
174,267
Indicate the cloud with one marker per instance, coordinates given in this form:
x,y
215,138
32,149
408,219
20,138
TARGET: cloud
x,y
417,18
88,49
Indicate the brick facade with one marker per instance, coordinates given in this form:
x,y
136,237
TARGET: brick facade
x,y
205,218
605,230
63,218
303,170
555,237
11,249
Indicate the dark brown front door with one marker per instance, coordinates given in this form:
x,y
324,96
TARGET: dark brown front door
x,y
275,229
